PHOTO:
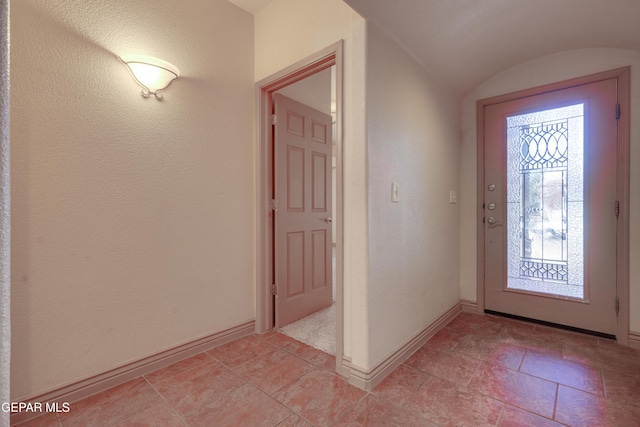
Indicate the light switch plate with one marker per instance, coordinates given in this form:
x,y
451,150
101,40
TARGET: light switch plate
x,y
453,197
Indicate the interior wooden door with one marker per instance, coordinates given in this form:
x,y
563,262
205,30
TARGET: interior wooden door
x,y
550,207
303,223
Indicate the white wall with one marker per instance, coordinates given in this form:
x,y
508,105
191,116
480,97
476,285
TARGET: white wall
x,y
548,69
5,225
413,140
287,31
133,219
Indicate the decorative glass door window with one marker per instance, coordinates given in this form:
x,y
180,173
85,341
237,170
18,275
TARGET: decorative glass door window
x,y
545,202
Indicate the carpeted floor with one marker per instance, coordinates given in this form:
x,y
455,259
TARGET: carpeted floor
x,y
317,330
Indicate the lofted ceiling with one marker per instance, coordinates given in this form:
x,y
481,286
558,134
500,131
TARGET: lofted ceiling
x,y
464,42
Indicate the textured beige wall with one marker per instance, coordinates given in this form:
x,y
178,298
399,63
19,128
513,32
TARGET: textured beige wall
x,y
413,140
548,69
5,226
133,226
287,31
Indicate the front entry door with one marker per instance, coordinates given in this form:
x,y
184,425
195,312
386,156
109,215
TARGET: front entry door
x,y
550,206
303,238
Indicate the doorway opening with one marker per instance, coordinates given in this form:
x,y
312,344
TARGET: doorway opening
x,y
300,81
553,190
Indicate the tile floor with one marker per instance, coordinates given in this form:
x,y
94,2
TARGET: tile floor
x,y
478,371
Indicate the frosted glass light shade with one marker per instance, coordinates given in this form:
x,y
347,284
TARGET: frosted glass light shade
x,y
152,74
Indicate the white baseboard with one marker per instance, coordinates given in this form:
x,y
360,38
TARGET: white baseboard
x,y
634,340
367,380
345,368
98,383
469,306
356,375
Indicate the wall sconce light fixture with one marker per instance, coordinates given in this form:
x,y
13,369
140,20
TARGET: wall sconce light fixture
x,y
152,74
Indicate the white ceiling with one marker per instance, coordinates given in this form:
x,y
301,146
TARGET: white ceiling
x,y
464,42
251,6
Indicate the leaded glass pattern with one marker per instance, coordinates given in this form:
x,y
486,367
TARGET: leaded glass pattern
x,y
545,201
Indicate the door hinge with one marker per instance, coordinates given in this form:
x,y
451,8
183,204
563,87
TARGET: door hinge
x,y
617,111
617,305
274,119
274,289
274,205
617,208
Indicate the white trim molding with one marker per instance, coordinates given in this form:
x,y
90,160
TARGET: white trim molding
x,y
634,340
328,57
469,306
367,380
98,383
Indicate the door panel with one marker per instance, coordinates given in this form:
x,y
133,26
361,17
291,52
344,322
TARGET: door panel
x,y
303,268
294,262
295,179
550,192
319,257
319,190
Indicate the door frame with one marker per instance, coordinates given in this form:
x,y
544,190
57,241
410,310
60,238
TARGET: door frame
x,y
320,61
623,76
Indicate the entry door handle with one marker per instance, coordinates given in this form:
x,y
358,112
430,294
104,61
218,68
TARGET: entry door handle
x,y
328,220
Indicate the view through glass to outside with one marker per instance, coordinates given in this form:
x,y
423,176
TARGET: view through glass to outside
x,y
545,240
